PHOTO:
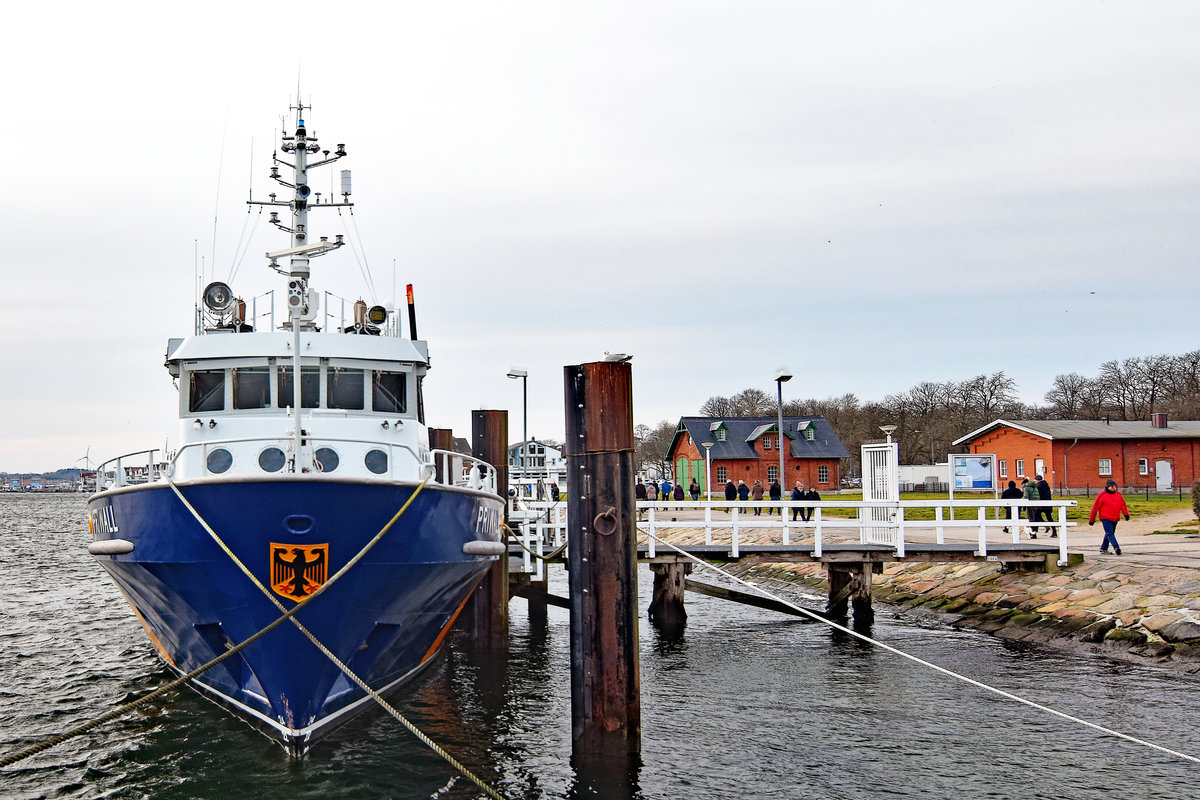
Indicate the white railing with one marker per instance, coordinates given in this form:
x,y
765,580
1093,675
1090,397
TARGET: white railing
x,y
458,469
542,524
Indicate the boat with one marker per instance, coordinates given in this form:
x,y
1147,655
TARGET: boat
x,y
276,485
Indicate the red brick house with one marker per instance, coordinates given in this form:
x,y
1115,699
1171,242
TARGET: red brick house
x,y
747,449
1080,453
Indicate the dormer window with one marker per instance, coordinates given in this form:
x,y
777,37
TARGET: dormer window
x,y
720,434
810,433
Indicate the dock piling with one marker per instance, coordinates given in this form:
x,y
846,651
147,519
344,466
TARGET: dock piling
x,y
489,603
602,561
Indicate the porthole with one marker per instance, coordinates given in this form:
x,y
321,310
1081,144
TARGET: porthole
x,y
327,459
376,461
219,460
271,459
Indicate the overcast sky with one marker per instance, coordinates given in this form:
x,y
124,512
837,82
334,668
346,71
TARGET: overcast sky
x,y
872,194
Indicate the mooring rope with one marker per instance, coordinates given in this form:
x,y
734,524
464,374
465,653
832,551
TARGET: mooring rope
x,y
413,729
929,664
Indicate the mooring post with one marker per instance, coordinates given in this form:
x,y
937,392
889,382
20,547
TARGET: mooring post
x,y
489,604
602,561
850,585
441,439
666,607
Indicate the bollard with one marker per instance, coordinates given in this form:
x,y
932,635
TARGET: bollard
x,y
602,561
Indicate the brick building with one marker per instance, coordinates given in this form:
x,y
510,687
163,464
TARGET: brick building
x,y
1080,453
747,449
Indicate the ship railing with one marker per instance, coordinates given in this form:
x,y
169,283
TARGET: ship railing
x,y
458,469
115,471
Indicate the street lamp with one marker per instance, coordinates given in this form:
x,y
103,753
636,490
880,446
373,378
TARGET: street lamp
x,y
888,429
708,468
781,377
515,373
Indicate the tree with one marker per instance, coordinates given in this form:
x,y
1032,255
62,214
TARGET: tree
x,y
650,446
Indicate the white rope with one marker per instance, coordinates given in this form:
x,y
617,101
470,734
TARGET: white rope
x,y
931,665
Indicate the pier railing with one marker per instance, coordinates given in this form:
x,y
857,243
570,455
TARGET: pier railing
x,y
542,526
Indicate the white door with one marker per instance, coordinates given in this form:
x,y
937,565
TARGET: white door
x,y
1164,476
881,483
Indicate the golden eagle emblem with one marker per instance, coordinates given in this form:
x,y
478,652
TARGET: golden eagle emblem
x,y
297,570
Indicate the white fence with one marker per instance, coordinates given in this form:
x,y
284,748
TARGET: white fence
x,y
542,526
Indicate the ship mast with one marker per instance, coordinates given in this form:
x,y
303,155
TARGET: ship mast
x,y
302,302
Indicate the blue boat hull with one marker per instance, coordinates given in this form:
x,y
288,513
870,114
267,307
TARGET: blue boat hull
x,y
384,619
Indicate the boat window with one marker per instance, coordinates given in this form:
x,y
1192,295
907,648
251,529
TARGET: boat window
x,y
388,392
252,387
344,388
420,401
207,390
310,387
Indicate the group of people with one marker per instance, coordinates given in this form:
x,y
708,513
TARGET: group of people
x,y
666,490
652,491
1109,506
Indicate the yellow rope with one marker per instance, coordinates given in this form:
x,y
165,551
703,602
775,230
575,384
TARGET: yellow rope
x,y
413,729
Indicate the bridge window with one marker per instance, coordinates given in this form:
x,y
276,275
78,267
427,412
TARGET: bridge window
x,y
252,387
823,474
1143,466
722,475
206,391
310,387
1105,466
344,388
388,392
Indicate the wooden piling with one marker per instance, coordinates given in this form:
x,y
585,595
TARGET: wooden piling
x,y
666,606
440,439
602,561
850,586
489,603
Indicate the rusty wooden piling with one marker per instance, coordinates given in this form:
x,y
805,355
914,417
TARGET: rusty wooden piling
x,y
489,603
440,439
850,586
666,606
602,561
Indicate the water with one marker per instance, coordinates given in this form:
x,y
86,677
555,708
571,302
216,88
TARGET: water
x,y
743,704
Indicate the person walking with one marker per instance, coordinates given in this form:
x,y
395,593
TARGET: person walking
x,y
776,495
756,492
554,493
797,494
651,491
1011,493
730,492
677,492
812,495
1044,513
743,491
1029,492
639,493
1109,507
694,490
665,494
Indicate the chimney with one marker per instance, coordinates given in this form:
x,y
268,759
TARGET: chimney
x,y
1158,420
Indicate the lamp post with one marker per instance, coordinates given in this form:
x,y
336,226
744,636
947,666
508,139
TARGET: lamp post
x,y
781,377
515,373
888,429
708,468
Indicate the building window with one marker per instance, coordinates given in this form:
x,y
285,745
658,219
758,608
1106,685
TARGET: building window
x,y
1020,468
722,476
772,474
1105,466
823,474
809,433
1143,466
1003,468
1039,466
766,443
720,434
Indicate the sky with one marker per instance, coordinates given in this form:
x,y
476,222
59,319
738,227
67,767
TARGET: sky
x,y
868,194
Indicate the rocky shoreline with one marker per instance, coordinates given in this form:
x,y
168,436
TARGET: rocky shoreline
x,y
1122,610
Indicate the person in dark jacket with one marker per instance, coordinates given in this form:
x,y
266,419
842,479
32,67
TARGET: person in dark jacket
x,y
677,492
730,492
811,494
776,495
797,494
1109,506
1044,514
639,493
1029,492
554,493
694,490
1011,493
743,491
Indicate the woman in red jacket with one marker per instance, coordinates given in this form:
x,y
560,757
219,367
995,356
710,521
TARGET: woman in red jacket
x,y
1109,506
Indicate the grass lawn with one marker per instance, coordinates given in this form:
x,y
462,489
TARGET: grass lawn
x,y
1139,504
